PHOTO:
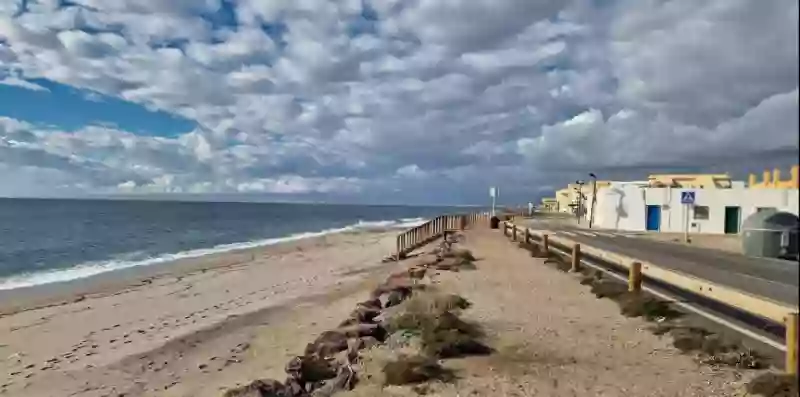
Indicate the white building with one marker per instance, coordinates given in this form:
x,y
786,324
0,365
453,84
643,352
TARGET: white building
x,y
635,208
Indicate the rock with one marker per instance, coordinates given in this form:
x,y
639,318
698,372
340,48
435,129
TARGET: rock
x,y
371,303
425,260
293,388
396,297
313,369
417,273
344,380
364,314
294,367
327,344
361,330
450,264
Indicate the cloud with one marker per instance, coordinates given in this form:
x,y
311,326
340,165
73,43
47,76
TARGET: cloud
x,y
18,82
402,101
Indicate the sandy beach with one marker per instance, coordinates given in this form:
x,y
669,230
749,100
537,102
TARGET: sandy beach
x,y
186,328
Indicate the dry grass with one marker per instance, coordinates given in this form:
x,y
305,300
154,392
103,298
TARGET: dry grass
x,y
774,385
409,369
433,317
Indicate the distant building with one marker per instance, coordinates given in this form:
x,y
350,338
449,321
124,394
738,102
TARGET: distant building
x,y
567,198
563,200
549,204
772,180
693,181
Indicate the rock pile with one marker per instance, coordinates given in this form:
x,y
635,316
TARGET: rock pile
x,y
329,363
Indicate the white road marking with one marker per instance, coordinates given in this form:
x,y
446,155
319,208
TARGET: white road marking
x,y
587,234
568,233
611,235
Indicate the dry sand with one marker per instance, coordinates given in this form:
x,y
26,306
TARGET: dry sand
x,y
554,338
192,329
225,322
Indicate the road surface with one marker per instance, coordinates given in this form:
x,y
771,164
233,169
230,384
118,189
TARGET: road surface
x,y
771,278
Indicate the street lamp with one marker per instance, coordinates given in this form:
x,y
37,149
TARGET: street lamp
x,y
594,199
580,200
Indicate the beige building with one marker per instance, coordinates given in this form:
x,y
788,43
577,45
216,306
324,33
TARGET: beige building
x,y
692,181
550,204
567,198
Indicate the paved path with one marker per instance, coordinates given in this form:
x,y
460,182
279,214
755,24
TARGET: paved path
x,y
770,278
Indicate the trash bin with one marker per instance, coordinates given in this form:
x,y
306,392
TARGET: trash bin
x,y
494,222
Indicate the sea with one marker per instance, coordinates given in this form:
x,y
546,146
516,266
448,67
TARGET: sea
x,y
51,240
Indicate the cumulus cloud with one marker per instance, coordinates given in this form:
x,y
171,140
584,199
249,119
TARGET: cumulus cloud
x,y
18,82
400,100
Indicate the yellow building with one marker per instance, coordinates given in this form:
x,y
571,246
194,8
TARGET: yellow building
x,y
563,200
550,204
567,199
694,181
772,180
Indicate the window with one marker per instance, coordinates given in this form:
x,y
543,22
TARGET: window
x,y
759,209
701,212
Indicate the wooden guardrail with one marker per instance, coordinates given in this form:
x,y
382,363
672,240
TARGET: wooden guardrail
x,y
420,235
761,307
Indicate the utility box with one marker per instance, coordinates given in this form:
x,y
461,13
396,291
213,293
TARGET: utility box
x,y
771,234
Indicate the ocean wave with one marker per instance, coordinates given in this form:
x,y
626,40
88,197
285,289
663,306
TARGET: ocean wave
x,y
126,261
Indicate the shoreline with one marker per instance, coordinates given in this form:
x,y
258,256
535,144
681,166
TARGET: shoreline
x,y
59,292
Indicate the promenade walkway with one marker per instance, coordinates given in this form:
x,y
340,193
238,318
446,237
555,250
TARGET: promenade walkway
x,y
554,338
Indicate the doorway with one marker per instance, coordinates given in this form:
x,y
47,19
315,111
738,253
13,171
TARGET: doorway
x,y
653,218
733,217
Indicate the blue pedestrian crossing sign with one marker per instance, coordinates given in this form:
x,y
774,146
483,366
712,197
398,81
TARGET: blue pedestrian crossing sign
x,y
687,197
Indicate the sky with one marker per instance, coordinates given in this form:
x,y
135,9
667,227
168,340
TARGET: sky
x,y
388,101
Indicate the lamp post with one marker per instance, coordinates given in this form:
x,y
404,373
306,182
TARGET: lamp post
x,y
594,199
580,200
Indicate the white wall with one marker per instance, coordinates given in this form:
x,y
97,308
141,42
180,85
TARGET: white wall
x,y
624,207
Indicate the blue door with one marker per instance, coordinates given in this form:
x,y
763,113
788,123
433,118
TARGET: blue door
x,y
653,217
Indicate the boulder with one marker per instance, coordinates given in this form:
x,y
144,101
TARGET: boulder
x,y
258,388
327,344
293,388
360,315
396,297
310,369
345,380
361,330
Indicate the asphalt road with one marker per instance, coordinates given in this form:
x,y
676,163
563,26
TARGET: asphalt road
x,y
771,278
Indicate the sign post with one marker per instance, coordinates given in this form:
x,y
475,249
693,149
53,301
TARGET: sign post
x,y
493,194
687,199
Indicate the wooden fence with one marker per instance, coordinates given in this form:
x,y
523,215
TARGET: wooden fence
x,y
418,236
775,312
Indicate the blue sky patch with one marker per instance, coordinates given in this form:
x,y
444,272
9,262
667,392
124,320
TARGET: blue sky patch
x,y
70,109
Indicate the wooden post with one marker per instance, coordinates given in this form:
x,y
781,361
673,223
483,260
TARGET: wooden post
x,y
791,343
527,236
514,233
397,257
635,277
546,244
576,258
